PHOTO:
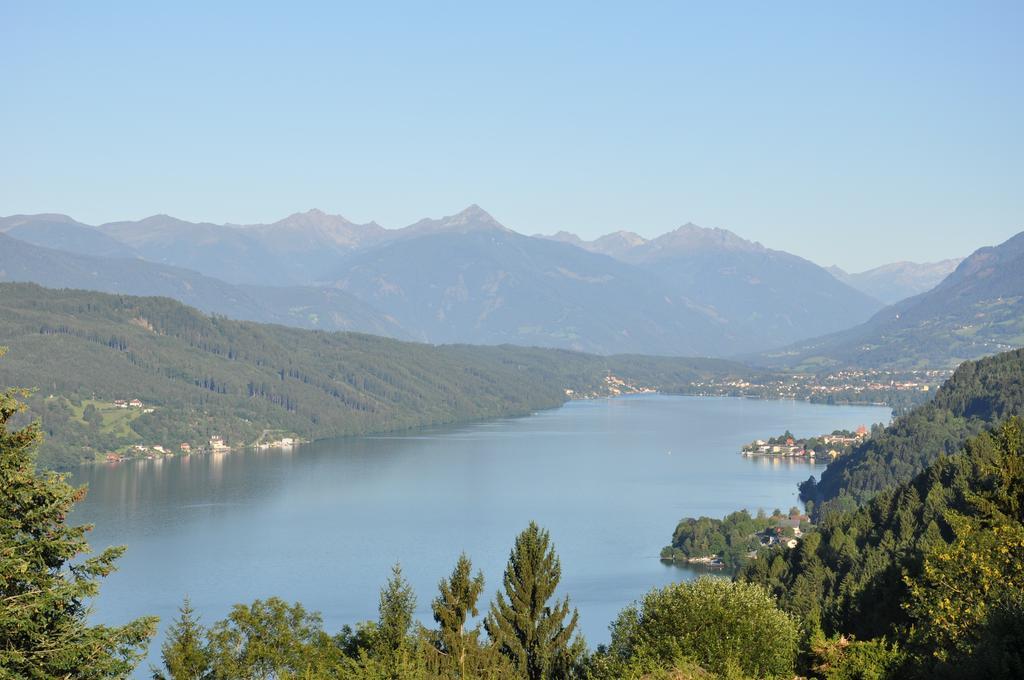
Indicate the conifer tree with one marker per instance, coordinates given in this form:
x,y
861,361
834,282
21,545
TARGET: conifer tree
x,y
455,604
534,636
44,590
397,604
184,652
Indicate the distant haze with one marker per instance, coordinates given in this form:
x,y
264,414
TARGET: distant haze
x,y
462,278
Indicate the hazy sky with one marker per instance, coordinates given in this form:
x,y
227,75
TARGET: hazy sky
x,y
853,136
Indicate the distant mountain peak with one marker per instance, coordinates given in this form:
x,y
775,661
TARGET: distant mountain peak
x,y
313,217
473,214
897,280
615,244
157,220
693,237
565,237
472,218
630,238
18,220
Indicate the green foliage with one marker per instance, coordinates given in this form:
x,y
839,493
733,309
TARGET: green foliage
x,y
731,538
397,604
210,375
270,639
184,652
839,658
603,667
44,588
274,639
979,575
980,394
726,627
534,636
937,562
452,607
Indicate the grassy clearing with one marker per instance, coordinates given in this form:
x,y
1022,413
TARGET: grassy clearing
x,y
116,421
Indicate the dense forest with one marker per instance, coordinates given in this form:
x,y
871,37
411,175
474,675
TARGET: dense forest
x,y
201,375
978,395
930,571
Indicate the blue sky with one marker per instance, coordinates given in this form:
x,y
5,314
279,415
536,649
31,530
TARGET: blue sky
x,y
854,135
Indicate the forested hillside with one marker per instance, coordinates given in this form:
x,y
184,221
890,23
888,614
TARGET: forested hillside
x,y
205,375
928,576
978,395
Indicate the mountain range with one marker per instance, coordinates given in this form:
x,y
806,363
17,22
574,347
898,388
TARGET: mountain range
x,y
460,278
975,311
299,306
897,281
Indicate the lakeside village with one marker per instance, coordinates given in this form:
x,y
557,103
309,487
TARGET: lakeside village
x,y
215,445
830,446
611,386
900,390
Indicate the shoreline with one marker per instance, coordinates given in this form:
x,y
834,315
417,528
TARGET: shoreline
x,y
301,441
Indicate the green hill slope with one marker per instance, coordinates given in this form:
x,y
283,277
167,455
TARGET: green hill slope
x,y
206,375
935,563
976,311
977,396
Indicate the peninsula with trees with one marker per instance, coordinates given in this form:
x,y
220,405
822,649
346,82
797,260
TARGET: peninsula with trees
x,y
826,446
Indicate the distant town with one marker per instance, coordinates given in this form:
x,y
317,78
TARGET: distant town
x,y
826,446
611,386
900,390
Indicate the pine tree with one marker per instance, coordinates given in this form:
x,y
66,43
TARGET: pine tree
x,y
44,631
397,604
184,652
455,604
534,636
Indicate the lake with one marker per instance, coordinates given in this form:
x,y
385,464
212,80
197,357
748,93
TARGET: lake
x,y
323,524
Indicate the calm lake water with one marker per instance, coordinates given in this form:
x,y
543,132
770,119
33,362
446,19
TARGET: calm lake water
x,y
323,524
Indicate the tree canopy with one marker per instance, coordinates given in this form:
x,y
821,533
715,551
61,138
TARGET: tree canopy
x,y
45,580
